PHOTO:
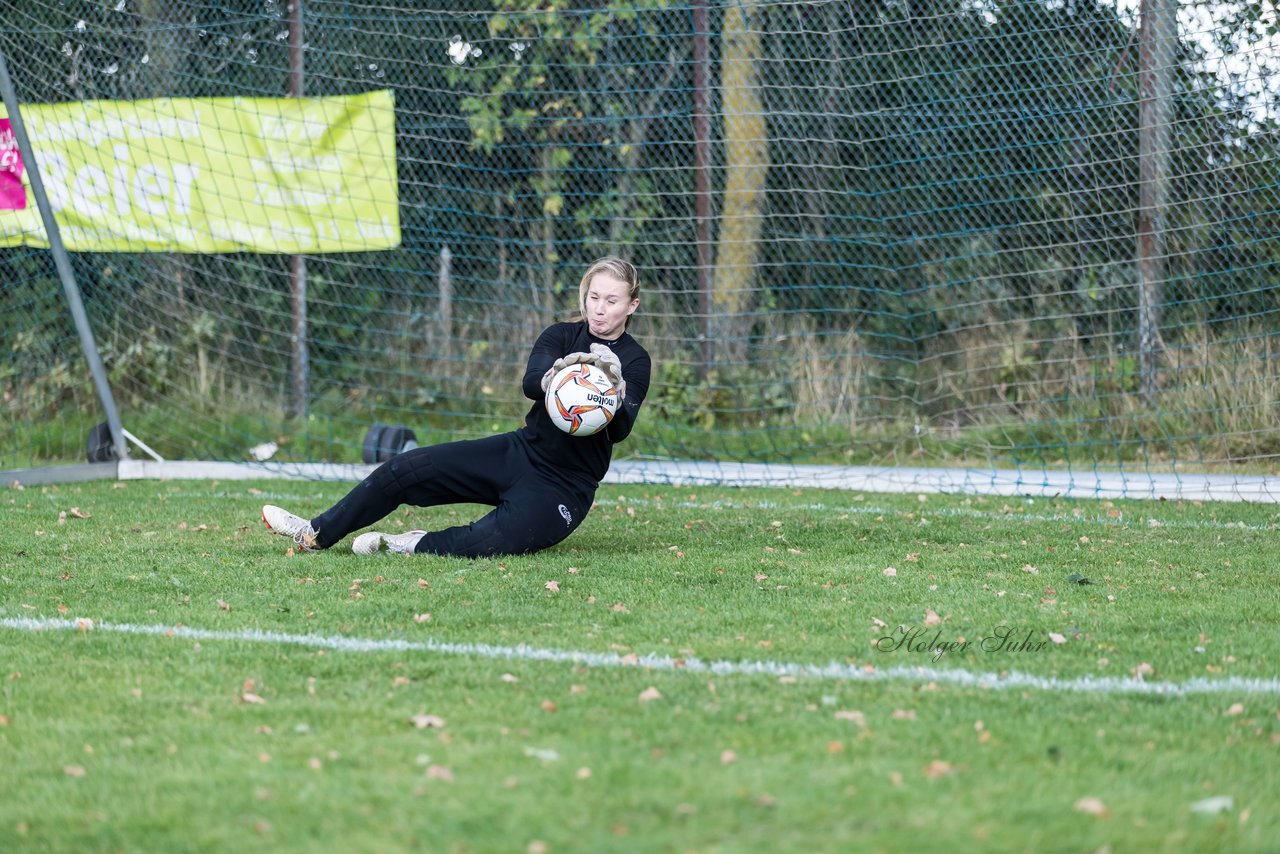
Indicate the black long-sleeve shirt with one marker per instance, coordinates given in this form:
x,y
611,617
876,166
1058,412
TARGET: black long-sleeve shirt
x,y
579,456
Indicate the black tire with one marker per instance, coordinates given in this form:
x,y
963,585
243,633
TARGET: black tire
x,y
397,440
102,448
372,448
383,442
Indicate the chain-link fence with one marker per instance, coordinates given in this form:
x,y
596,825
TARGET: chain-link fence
x,y
1006,233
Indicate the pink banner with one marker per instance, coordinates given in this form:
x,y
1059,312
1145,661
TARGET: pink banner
x,y
13,196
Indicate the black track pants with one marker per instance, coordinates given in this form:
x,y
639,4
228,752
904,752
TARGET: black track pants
x,y
532,509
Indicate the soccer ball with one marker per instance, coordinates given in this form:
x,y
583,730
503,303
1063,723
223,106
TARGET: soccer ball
x,y
581,399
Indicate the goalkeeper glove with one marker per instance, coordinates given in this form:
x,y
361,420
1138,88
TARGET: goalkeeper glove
x,y
564,362
611,365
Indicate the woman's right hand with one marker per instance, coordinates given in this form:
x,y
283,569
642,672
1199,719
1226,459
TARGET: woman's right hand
x,y
564,362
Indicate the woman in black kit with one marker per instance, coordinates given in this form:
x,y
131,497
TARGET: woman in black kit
x,y
540,480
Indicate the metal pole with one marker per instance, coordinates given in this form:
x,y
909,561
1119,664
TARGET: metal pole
x,y
63,264
298,263
1157,30
444,294
702,175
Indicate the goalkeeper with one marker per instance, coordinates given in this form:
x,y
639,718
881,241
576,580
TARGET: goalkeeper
x,y
539,480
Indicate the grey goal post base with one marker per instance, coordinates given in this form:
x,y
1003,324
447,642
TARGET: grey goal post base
x,y
1014,483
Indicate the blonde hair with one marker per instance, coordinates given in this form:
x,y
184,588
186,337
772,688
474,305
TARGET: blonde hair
x,y
622,270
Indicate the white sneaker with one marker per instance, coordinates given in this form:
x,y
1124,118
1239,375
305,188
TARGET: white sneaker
x,y
374,542
286,524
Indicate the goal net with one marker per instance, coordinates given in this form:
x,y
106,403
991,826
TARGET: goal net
x,y
984,237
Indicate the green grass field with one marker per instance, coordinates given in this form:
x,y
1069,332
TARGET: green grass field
x,y
173,678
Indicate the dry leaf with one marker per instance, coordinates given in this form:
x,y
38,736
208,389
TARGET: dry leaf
x,y
553,586
1092,806
728,757
903,714
618,607
422,618
890,572
548,706
73,770
649,694
507,677
1057,638
1142,670
223,605
423,721
937,768
84,624
77,513
853,715
440,772
931,617
1236,709
250,697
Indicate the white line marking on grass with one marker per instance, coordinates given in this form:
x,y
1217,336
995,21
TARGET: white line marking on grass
x,y
837,671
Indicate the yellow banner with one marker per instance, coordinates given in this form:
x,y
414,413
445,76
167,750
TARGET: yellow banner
x,y
271,175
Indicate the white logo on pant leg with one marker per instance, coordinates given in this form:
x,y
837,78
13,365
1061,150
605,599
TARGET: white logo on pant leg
x,y
568,517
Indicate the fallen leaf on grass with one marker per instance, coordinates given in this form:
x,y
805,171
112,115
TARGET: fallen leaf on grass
x,y
620,608
73,770
937,768
422,618
77,513
440,772
852,715
728,757
423,721
250,697
931,617
1236,709
649,694
223,605
553,586
890,571
1092,806
1057,638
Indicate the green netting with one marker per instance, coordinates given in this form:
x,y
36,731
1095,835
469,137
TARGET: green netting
x,y
925,233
